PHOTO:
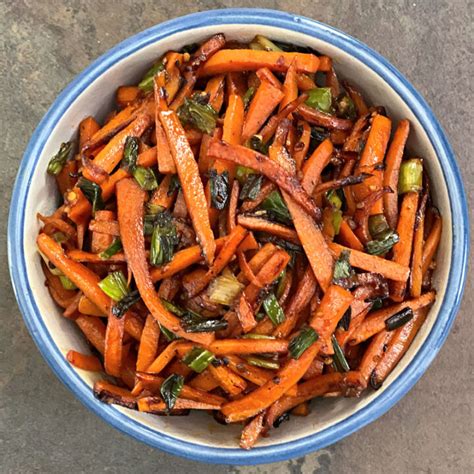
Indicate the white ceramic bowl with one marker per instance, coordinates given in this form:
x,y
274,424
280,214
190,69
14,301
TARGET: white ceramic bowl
x,y
92,93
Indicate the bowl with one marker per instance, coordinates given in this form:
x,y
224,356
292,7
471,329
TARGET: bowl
x,y
92,93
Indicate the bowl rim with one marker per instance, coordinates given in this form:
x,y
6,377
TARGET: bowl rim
x,y
398,388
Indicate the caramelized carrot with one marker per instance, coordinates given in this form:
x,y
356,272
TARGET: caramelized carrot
x,y
84,361
148,344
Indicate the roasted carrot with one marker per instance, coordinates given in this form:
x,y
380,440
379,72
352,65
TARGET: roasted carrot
x,y
264,74
227,379
126,95
431,243
252,431
322,119
348,238
148,344
374,353
263,225
215,89
84,361
87,128
114,345
290,86
315,164
163,196
94,330
248,346
87,307
302,145
416,274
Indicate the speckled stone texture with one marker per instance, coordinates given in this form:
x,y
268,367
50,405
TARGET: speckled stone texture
x,y
43,428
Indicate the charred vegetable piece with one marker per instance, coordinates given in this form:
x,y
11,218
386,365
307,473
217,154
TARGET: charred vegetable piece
x,y
163,240
399,319
112,249
339,358
383,244
193,322
410,178
342,267
219,189
345,321
263,363
302,341
378,226
251,188
170,390
256,143
198,359
276,208
146,84
346,108
130,154
321,99
119,309
145,177
114,285
93,193
57,162
242,173
196,112
273,309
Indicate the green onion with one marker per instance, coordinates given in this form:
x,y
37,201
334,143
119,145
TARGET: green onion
x,y
197,113
383,244
93,192
193,322
224,289
163,239
198,359
57,162
145,177
301,342
320,98
339,358
174,184
67,283
342,267
112,249
256,143
60,237
219,187
114,285
265,43
336,220
377,303
346,108
242,173
146,84
276,208
334,199
398,319
130,154
170,389
170,336
410,178
119,309
281,283
273,309
264,363
252,335
172,308
248,96
378,226
251,188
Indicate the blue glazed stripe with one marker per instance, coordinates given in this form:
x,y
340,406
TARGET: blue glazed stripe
x,y
379,405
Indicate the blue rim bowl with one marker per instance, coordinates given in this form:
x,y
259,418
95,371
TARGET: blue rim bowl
x,y
379,405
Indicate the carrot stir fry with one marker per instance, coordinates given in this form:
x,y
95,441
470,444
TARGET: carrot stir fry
x,y
242,235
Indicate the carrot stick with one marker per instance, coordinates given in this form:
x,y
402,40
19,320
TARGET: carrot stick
x,y
316,117
376,321
334,304
373,155
263,225
94,330
223,258
252,159
402,249
228,380
290,86
222,347
157,405
252,432
105,227
356,97
86,306
262,105
163,359
83,361
432,243
416,274
204,381
229,60
348,238
233,120
315,164
249,205
215,89
148,344
305,83
161,196
87,128
114,345
264,74
100,240
232,208
392,168
372,263
126,95
258,260
110,393
374,353
130,202
302,146
191,183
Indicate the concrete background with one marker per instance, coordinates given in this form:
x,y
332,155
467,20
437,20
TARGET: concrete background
x,y
43,428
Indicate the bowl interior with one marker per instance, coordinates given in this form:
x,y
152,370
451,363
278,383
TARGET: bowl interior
x,y
97,99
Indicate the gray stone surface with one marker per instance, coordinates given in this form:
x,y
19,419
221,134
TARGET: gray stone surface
x,y
43,428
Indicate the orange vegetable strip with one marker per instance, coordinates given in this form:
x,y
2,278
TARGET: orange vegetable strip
x,y
87,128
88,257
373,155
163,359
223,258
228,380
191,183
264,74
252,432
305,83
375,322
374,353
204,381
416,274
125,95
229,60
58,224
83,361
94,330
391,172
254,374
114,345
232,208
249,243
372,263
161,196
398,345
290,86
260,224
247,346
335,302
302,145
148,344
101,241
249,205
215,89
402,249
262,105
252,159
204,162
110,393
105,227
86,306
348,238
156,404
325,63
258,260
316,117
357,98
234,120
130,203
432,243
315,164
110,156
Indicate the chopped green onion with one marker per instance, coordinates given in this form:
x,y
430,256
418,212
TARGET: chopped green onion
x,y
60,237
219,187
265,43
256,143
172,308
119,309
198,359
383,244
163,239
114,285
410,178
57,162
67,283
93,192
378,226
251,188
242,173
377,303
248,96
273,309
263,363
342,267
336,220
170,389
174,184
339,358
112,249
276,208
334,199
256,46
320,98
224,289
193,322
145,177
301,342
281,283
55,271
197,113
170,336
252,335
346,107
146,84
398,319
130,154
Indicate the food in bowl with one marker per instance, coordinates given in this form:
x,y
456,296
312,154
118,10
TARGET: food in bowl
x,y
240,236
